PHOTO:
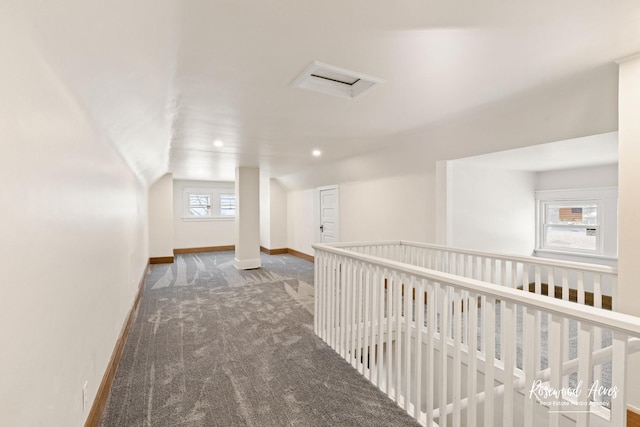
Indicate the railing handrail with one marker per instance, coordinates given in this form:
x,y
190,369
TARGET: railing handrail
x,y
624,323
572,265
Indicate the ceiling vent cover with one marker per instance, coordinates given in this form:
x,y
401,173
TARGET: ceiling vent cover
x,y
335,81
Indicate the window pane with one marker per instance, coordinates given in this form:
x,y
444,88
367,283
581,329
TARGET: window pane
x,y
583,214
572,237
199,204
227,205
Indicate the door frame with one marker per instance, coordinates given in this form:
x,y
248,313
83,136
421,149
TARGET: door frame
x,y
318,235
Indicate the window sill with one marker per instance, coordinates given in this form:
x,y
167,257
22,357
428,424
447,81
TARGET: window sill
x,y
210,218
575,254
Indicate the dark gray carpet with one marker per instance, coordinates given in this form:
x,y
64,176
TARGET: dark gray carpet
x,y
214,346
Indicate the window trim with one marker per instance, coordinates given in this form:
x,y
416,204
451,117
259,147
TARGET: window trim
x,y
215,195
542,225
608,219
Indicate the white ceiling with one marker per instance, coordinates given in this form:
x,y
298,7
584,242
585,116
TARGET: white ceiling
x,y
164,79
573,153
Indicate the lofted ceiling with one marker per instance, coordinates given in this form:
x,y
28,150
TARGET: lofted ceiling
x,y
163,80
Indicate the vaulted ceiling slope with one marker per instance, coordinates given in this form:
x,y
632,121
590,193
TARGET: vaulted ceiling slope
x,y
164,79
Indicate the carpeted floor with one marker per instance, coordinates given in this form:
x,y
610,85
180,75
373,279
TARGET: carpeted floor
x,y
215,346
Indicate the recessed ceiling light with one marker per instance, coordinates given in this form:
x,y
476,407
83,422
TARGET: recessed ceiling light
x,y
316,153
218,143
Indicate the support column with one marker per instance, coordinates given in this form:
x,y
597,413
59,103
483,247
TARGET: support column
x,y
629,207
444,233
247,218
161,220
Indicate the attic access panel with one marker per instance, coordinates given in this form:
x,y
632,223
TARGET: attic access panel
x,y
336,81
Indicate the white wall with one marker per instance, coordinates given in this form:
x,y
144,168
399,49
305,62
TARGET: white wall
x,y
200,233
73,233
301,223
591,177
161,217
386,209
273,213
491,210
278,216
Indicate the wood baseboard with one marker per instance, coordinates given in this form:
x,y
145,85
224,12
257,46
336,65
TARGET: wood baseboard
x,y
161,260
204,249
633,418
300,254
102,395
607,302
280,251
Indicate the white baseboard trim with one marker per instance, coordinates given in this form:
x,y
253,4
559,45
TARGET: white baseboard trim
x,y
247,264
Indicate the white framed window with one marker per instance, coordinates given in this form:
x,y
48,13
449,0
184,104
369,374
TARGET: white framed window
x,y
227,205
208,204
577,223
571,226
199,204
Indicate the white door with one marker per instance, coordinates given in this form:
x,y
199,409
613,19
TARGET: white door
x,y
328,214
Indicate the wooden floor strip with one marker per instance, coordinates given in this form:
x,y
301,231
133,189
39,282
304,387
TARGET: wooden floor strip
x,y
102,395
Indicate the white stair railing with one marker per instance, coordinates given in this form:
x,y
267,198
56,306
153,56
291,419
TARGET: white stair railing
x,y
453,350
589,284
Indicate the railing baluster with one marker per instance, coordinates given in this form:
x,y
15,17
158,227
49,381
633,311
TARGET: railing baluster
x,y
367,316
565,297
614,293
488,337
318,302
408,298
318,283
585,343
501,316
381,317
338,303
597,332
556,359
529,350
474,268
332,302
398,336
453,268
619,379
472,376
353,318
445,312
361,318
508,350
327,303
580,281
391,284
348,303
343,308
538,290
372,325
417,348
457,357
430,363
